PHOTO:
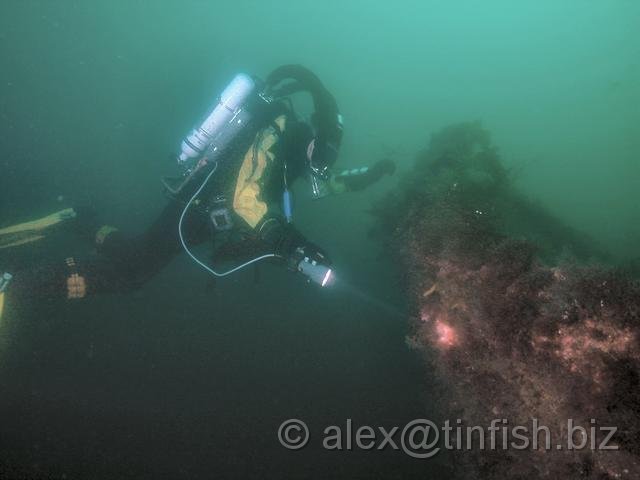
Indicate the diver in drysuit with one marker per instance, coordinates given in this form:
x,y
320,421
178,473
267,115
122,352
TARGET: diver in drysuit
x,y
234,192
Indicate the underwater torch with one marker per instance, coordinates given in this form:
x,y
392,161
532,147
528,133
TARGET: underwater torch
x,y
316,272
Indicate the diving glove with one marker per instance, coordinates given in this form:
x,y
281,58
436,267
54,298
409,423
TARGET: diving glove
x,y
360,178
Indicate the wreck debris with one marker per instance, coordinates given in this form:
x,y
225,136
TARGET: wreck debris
x,y
517,321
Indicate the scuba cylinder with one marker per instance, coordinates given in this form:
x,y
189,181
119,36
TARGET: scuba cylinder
x,y
205,144
225,112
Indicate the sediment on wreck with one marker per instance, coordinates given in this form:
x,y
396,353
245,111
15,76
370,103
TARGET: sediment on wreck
x,y
517,313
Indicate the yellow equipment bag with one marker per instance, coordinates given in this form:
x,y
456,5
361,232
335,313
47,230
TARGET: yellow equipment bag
x,y
247,202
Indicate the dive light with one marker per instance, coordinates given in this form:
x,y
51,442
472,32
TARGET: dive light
x,y
316,272
229,106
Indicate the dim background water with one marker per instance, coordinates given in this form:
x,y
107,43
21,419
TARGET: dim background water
x,y
184,380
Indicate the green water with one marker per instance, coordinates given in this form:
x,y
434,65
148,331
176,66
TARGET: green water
x,y
178,382
107,89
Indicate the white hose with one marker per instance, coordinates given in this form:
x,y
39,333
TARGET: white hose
x,y
193,257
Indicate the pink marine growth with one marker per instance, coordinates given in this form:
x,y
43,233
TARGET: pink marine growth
x,y
447,336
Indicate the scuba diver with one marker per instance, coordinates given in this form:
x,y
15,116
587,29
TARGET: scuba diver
x,y
238,166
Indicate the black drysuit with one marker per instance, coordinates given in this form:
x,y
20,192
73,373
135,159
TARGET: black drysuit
x,y
126,263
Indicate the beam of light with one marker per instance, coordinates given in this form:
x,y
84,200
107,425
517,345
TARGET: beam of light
x,y
326,278
367,297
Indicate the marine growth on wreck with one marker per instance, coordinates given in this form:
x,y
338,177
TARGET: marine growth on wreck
x,y
519,315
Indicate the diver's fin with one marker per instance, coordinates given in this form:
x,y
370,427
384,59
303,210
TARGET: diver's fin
x,y
40,223
1,305
31,231
18,239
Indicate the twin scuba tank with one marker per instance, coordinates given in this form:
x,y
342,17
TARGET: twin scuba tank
x,y
222,124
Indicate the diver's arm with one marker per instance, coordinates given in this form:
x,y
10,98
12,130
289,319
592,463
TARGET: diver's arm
x,y
284,239
297,252
356,179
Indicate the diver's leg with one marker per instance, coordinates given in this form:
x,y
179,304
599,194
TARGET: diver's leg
x,y
140,258
67,279
123,264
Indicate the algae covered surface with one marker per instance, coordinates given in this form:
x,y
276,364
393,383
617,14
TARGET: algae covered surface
x,y
520,315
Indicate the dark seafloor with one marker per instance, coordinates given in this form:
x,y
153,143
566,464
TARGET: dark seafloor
x,y
187,380
179,381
